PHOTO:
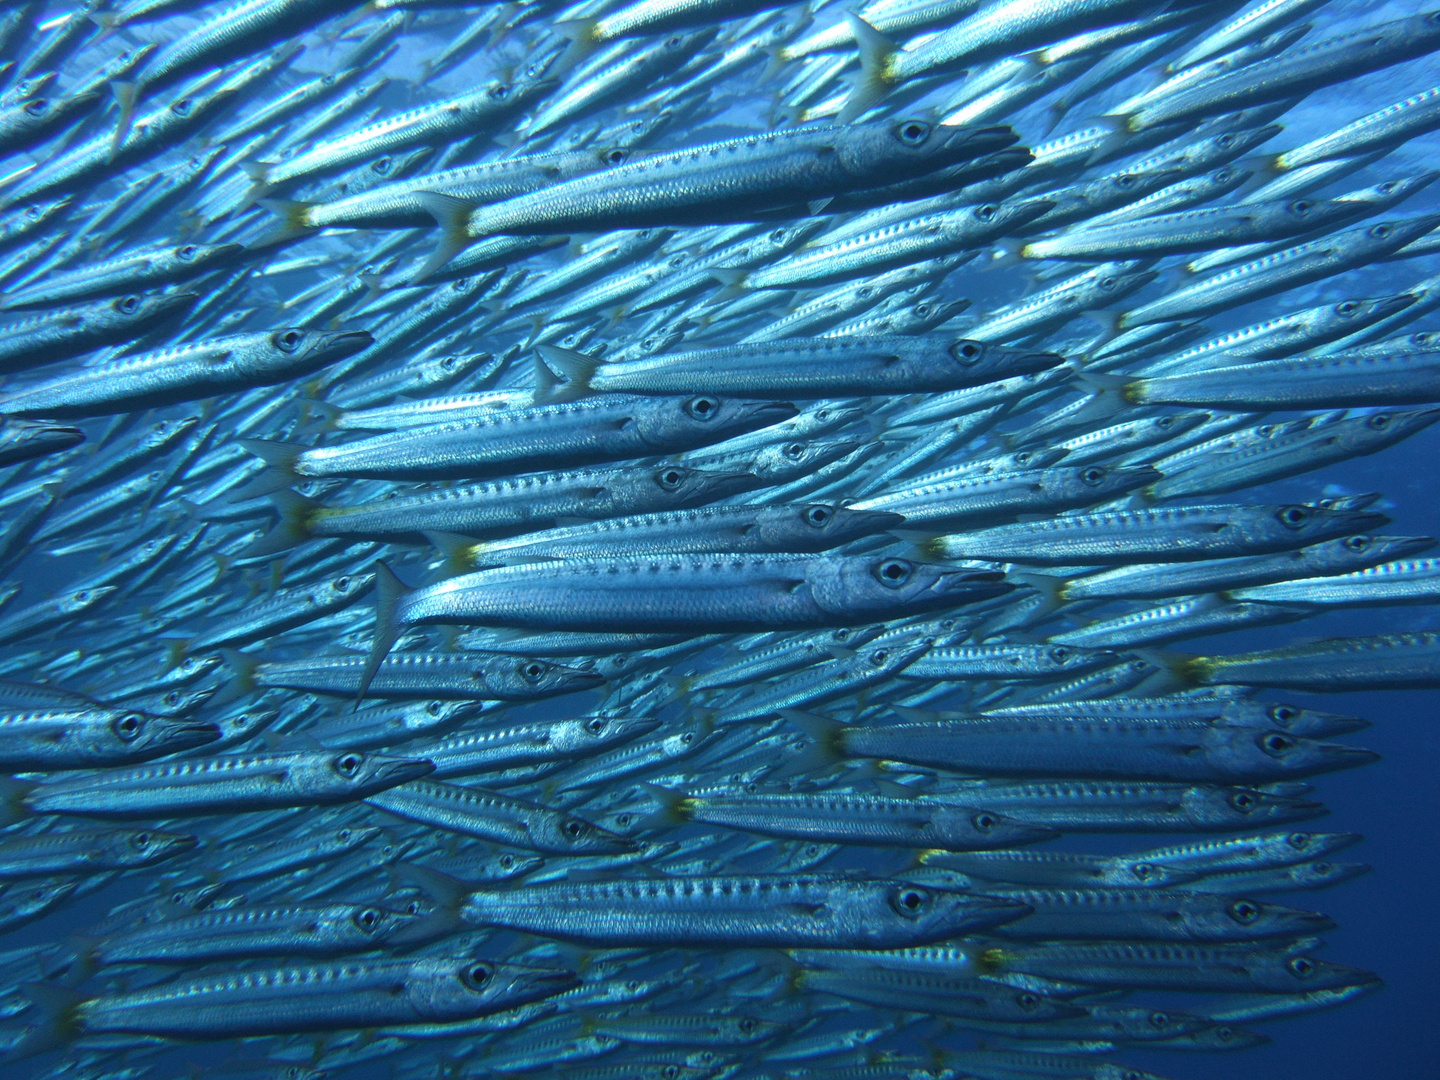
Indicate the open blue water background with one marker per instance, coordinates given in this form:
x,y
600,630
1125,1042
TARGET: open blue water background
x,y
1387,919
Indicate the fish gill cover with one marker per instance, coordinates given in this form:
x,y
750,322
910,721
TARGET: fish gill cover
x,y
708,539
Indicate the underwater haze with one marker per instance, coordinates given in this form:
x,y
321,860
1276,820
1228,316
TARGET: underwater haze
x,y
708,539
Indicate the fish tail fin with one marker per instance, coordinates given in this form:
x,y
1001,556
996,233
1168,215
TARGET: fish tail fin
x,y
389,591
374,286
674,808
582,38
12,804
1186,669
279,459
827,746
294,214
329,414
1117,133
873,83
292,528
569,373
452,215
259,174
458,551
242,676
127,95
447,892
57,1025
732,282
175,651
1052,589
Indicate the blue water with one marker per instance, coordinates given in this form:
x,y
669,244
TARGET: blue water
x,y
1387,919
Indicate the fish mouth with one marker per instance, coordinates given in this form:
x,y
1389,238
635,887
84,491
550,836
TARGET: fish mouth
x,y
569,676
543,980
983,140
345,343
769,412
399,771
868,522
187,734
1037,361
980,584
984,912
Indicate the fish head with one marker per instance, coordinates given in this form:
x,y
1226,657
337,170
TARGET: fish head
x,y
296,351
1295,755
980,829
860,588
344,588
1245,807
525,678
502,866
940,913
242,724
586,734
155,845
359,775
706,418
39,437
1096,483
819,526
682,485
138,309
570,835
1323,873
981,362
143,734
31,899
1294,972
1242,919
1384,427
458,988
1219,1037
1308,723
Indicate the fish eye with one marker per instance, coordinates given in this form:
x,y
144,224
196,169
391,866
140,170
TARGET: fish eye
x,y
532,671
1243,801
1224,1034
342,583
182,107
186,253
1159,1020
616,156
623,821
1143,871
794,451
893,572
822,415
1283,714
986,212
1348,308
343,836
381,165
818,516
747,1025
1245,912
1124,180
500,91
909,902
670,1072
922,310
128,726
778,236
879,656
1292,517
1225,140
595,725
476,976
1302,967
507,861
448,363
1379,422
688,738
1380,232
127,305
1299,840
1093,475
1059,654
367,919
702,408
289,341
574,829
673,41
914,132
1222,176
984,822
1302,206
1028,1001
140,841
1276,744
1107,283
38,107
348,765
670,479
967,352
